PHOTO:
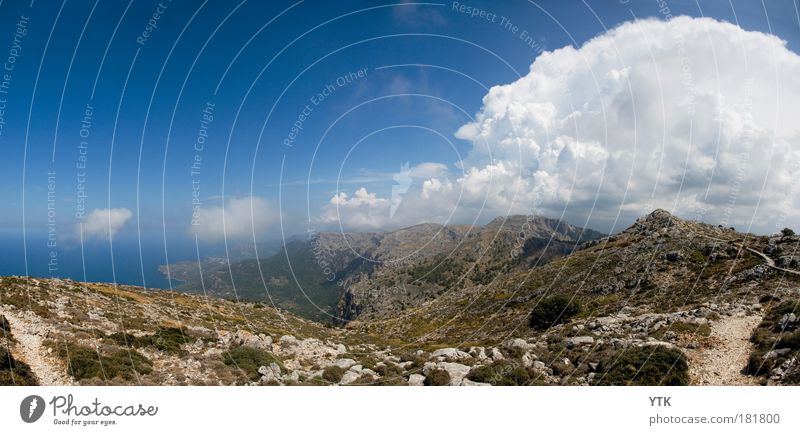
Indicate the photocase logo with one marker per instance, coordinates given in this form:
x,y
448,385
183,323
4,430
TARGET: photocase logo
x,y
31,408
403,182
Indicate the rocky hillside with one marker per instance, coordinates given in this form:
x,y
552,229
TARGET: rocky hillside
x,y
665,302
337,277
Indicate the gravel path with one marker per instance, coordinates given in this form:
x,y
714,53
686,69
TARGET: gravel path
x,y
722,361
29,335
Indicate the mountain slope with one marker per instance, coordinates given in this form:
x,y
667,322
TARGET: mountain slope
x,y
659,264
665,302
338,277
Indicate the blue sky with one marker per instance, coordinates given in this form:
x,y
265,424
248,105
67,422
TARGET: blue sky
x,y
426,69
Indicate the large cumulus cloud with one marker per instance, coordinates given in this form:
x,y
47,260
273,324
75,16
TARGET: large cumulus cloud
x,y
693,115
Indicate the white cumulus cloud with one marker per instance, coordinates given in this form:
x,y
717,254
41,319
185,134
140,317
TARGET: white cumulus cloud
x,y
693,115
237,218
104,223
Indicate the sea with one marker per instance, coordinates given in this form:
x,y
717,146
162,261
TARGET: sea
x,y
122,261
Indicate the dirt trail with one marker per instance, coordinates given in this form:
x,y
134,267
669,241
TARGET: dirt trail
x,y
29,335
721,362
771,263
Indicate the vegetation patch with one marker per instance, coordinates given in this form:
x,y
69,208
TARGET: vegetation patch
x,y
437,377
552,311
650,365
5,328
684,328
25,300
249,359
165,339
776,340
14,372
333,374
84,362
503,372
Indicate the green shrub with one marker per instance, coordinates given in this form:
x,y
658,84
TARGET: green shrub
x,y
84,362
13,372
552,311
417,360
249,359
333,374
771,335
437,377
652,365
165,339
788,232
503,372
389,369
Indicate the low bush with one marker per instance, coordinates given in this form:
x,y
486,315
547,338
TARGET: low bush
x,y
165,339
650,365
503,372
5,328
333,374
552,311
14,372
249,359
84,362
437,377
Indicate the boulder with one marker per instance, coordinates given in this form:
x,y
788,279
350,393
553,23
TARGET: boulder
x,y
776,353
477,352
416,380
345,363
495,354
450,353
291,377
456,371
428,368
517,343
247,338
270,373
580,341
349,377
788,261
788,322
528,359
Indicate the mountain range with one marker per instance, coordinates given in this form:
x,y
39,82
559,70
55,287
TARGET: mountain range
x,y
522,300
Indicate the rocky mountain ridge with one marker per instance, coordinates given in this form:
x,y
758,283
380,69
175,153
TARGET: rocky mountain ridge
x,y
338,277
667,302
